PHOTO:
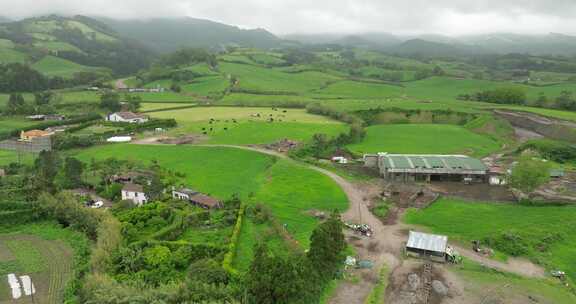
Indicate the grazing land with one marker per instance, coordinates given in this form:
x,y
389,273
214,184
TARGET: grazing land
x,y
424,139
543,234
229,125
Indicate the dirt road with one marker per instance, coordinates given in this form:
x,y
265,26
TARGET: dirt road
x,y
385,247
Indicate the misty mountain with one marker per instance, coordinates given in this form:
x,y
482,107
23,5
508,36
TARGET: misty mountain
x,y
551,44
170,34
434,44
369,40
425,48
4,19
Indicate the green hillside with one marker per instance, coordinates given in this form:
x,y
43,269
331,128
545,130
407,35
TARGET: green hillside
x,y
54,66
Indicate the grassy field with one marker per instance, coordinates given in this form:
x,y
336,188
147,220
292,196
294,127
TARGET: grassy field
x,y
361,90
250,125
263,79
7,157
545,233
9,55
507,288
289,189
424,139
206,86
54,66
10,123
45,252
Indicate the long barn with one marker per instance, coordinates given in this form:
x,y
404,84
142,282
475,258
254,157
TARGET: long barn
x,y
414,167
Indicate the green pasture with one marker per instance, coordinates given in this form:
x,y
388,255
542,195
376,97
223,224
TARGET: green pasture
x,y
155,106
356,89
206,86
9,55
424,139
14,122
54,66
243,99
264,79
56,46
547,232
250,125
288,188
8,157
508,287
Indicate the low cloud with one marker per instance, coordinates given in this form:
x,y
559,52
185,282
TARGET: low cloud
x,y
331,16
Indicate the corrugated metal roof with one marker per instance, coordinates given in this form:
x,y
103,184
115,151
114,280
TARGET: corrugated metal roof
x,y
425,241
415,161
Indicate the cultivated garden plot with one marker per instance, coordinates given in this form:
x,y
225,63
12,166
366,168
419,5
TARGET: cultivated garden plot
x,y
32,267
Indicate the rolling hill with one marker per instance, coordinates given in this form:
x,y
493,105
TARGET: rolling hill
x,y
169,34
84,42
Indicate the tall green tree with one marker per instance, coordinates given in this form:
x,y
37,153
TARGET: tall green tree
x,y
16,104
46,165
73,170
529,174
110,101
43,98
327,245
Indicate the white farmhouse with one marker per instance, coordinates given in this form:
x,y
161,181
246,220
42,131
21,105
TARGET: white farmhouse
x,y
134,193
126,117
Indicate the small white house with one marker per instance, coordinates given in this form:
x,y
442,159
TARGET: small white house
x,y
134,193
126,117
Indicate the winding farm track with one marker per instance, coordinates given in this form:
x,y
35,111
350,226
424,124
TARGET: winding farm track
x,y
388,240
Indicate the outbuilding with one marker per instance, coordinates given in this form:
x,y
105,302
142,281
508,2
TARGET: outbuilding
x,y
427,246
427,167
126,117
196,198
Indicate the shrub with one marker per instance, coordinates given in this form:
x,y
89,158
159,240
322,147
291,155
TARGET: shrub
x,y
229,256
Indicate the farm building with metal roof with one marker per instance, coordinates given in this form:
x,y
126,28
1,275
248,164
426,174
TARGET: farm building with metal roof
x,y
426,245
414,167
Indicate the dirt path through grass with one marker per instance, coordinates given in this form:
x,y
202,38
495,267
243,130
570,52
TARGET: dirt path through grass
x,y
386,246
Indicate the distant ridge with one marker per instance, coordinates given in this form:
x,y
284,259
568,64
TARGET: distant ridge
x,y
169,34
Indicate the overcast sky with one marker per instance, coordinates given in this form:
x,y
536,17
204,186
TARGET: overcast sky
x,y
452,17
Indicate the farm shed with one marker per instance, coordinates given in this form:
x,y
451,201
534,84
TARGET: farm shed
x,y
126,117
424,245
196,198
424,167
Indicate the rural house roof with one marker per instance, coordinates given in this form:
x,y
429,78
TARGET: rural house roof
x,y
205,200
35,133
129,115
425,241
187,191
133,188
